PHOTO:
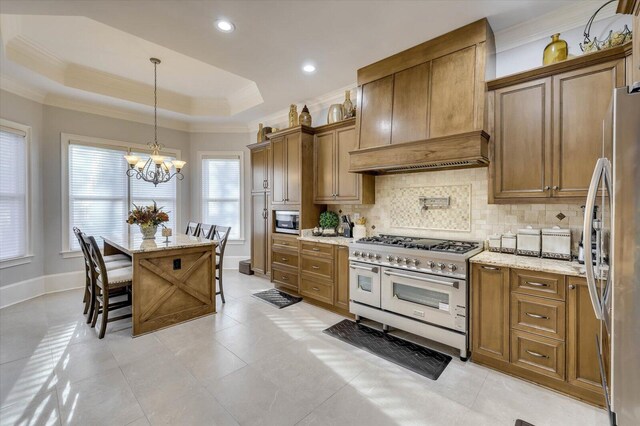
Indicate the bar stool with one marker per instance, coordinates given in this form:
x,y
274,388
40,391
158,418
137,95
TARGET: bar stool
x,y
112,262
105,284
192,229
221,235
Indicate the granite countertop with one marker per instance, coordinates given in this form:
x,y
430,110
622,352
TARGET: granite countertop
x,y
553,266
135,243
306,235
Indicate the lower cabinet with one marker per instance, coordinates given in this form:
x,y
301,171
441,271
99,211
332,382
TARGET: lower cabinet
x,y
284,262
341,290
537,326
324,274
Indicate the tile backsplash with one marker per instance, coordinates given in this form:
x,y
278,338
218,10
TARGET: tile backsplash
x,y
398,211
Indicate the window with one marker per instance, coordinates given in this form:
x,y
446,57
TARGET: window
x,y
100,194
222,191
14,211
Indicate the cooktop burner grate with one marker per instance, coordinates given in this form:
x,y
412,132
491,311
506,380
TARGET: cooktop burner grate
x,y
419,243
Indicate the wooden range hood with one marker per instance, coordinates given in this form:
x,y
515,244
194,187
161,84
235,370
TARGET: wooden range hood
x,y
425,108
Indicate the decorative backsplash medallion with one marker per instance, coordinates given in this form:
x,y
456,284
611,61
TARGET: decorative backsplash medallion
x,y
407,211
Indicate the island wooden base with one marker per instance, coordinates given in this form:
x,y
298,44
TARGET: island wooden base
x,y
171,286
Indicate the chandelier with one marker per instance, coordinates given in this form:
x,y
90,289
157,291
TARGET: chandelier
x,y
157,169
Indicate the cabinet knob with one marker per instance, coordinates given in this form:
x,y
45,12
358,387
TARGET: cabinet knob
x,y
546,188
556,187
571,286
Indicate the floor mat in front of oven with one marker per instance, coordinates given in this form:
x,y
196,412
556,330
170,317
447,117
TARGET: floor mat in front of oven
x,y
416,358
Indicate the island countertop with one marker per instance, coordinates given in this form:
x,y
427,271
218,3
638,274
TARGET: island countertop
x,y
135,243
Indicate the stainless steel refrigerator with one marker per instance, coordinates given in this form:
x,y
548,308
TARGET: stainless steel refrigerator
x,y
612,218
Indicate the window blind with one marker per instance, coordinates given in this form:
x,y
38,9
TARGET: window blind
x,y
221,192
13,195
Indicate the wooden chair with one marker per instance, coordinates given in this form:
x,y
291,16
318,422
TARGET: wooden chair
x,y
192,229
207,231
105,284
112,262
221,235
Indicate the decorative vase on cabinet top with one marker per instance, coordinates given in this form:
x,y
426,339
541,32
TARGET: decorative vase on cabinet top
x,y
335,113
347,105
305,117
293,115
556,51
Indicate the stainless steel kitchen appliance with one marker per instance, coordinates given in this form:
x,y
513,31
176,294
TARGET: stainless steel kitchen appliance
x,y
613,268
419,285
287,221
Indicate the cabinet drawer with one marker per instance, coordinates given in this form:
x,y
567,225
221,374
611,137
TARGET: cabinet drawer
x,y
316,290
283,242
314,265
539,354
537,283
289,279
286,258
314,249
544,317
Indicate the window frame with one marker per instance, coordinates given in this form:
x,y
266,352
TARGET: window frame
x,y
28,256
67,139
205,155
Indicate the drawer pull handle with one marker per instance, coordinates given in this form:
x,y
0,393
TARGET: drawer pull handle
x,y
284,259
283,278
315,267
315,288
529,314
490,268
316,249
536,354
535,284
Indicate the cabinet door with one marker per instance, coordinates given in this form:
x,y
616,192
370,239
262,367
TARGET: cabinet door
x,y
410,104
582,328
258,169
278,180
375,114
453,93
581,102
259,233
522,144
324,163
347,184
490,311
341,287
292,181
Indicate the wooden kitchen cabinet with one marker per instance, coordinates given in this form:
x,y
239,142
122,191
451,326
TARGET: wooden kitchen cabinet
x,y
260,208
547,127
333,184
537,326
279,170
286,169
522,140
411,104
376,105
490,311
582,328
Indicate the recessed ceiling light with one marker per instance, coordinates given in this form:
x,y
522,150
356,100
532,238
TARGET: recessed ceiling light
x,y
225,26
308,68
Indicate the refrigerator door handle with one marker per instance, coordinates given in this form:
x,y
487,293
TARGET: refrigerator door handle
x,y
602,170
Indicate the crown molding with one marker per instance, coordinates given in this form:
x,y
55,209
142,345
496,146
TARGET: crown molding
x,y
22,90
317,104
557,21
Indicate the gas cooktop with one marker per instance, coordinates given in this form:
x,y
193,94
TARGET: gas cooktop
x,y
420,243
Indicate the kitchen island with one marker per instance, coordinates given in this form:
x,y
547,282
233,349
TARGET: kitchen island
x,y
173,281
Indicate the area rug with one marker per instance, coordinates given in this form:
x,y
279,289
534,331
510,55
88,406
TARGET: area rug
x,y
409,355
277,298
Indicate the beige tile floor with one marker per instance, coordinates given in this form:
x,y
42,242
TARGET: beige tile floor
x,y
250,364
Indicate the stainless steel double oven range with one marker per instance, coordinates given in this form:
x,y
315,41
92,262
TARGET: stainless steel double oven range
x,y
418,285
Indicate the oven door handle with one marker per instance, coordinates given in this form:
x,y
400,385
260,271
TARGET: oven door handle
x,y
374,269
427,280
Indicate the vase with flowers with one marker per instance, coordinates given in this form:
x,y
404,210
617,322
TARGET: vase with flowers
x,y
148,218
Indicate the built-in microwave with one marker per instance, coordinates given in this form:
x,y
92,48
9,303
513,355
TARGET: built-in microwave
x,y
288,221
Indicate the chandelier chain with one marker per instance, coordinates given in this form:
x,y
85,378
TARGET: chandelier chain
x,y
155,102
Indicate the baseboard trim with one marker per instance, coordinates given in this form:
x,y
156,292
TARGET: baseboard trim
x,y
53,283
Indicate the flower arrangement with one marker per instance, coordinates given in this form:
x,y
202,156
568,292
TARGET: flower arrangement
x,y
147,215
148,218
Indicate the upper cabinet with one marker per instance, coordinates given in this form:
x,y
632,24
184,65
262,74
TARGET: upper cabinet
x,y
286,169
430,97
547,130
260,167
632,7
333,183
